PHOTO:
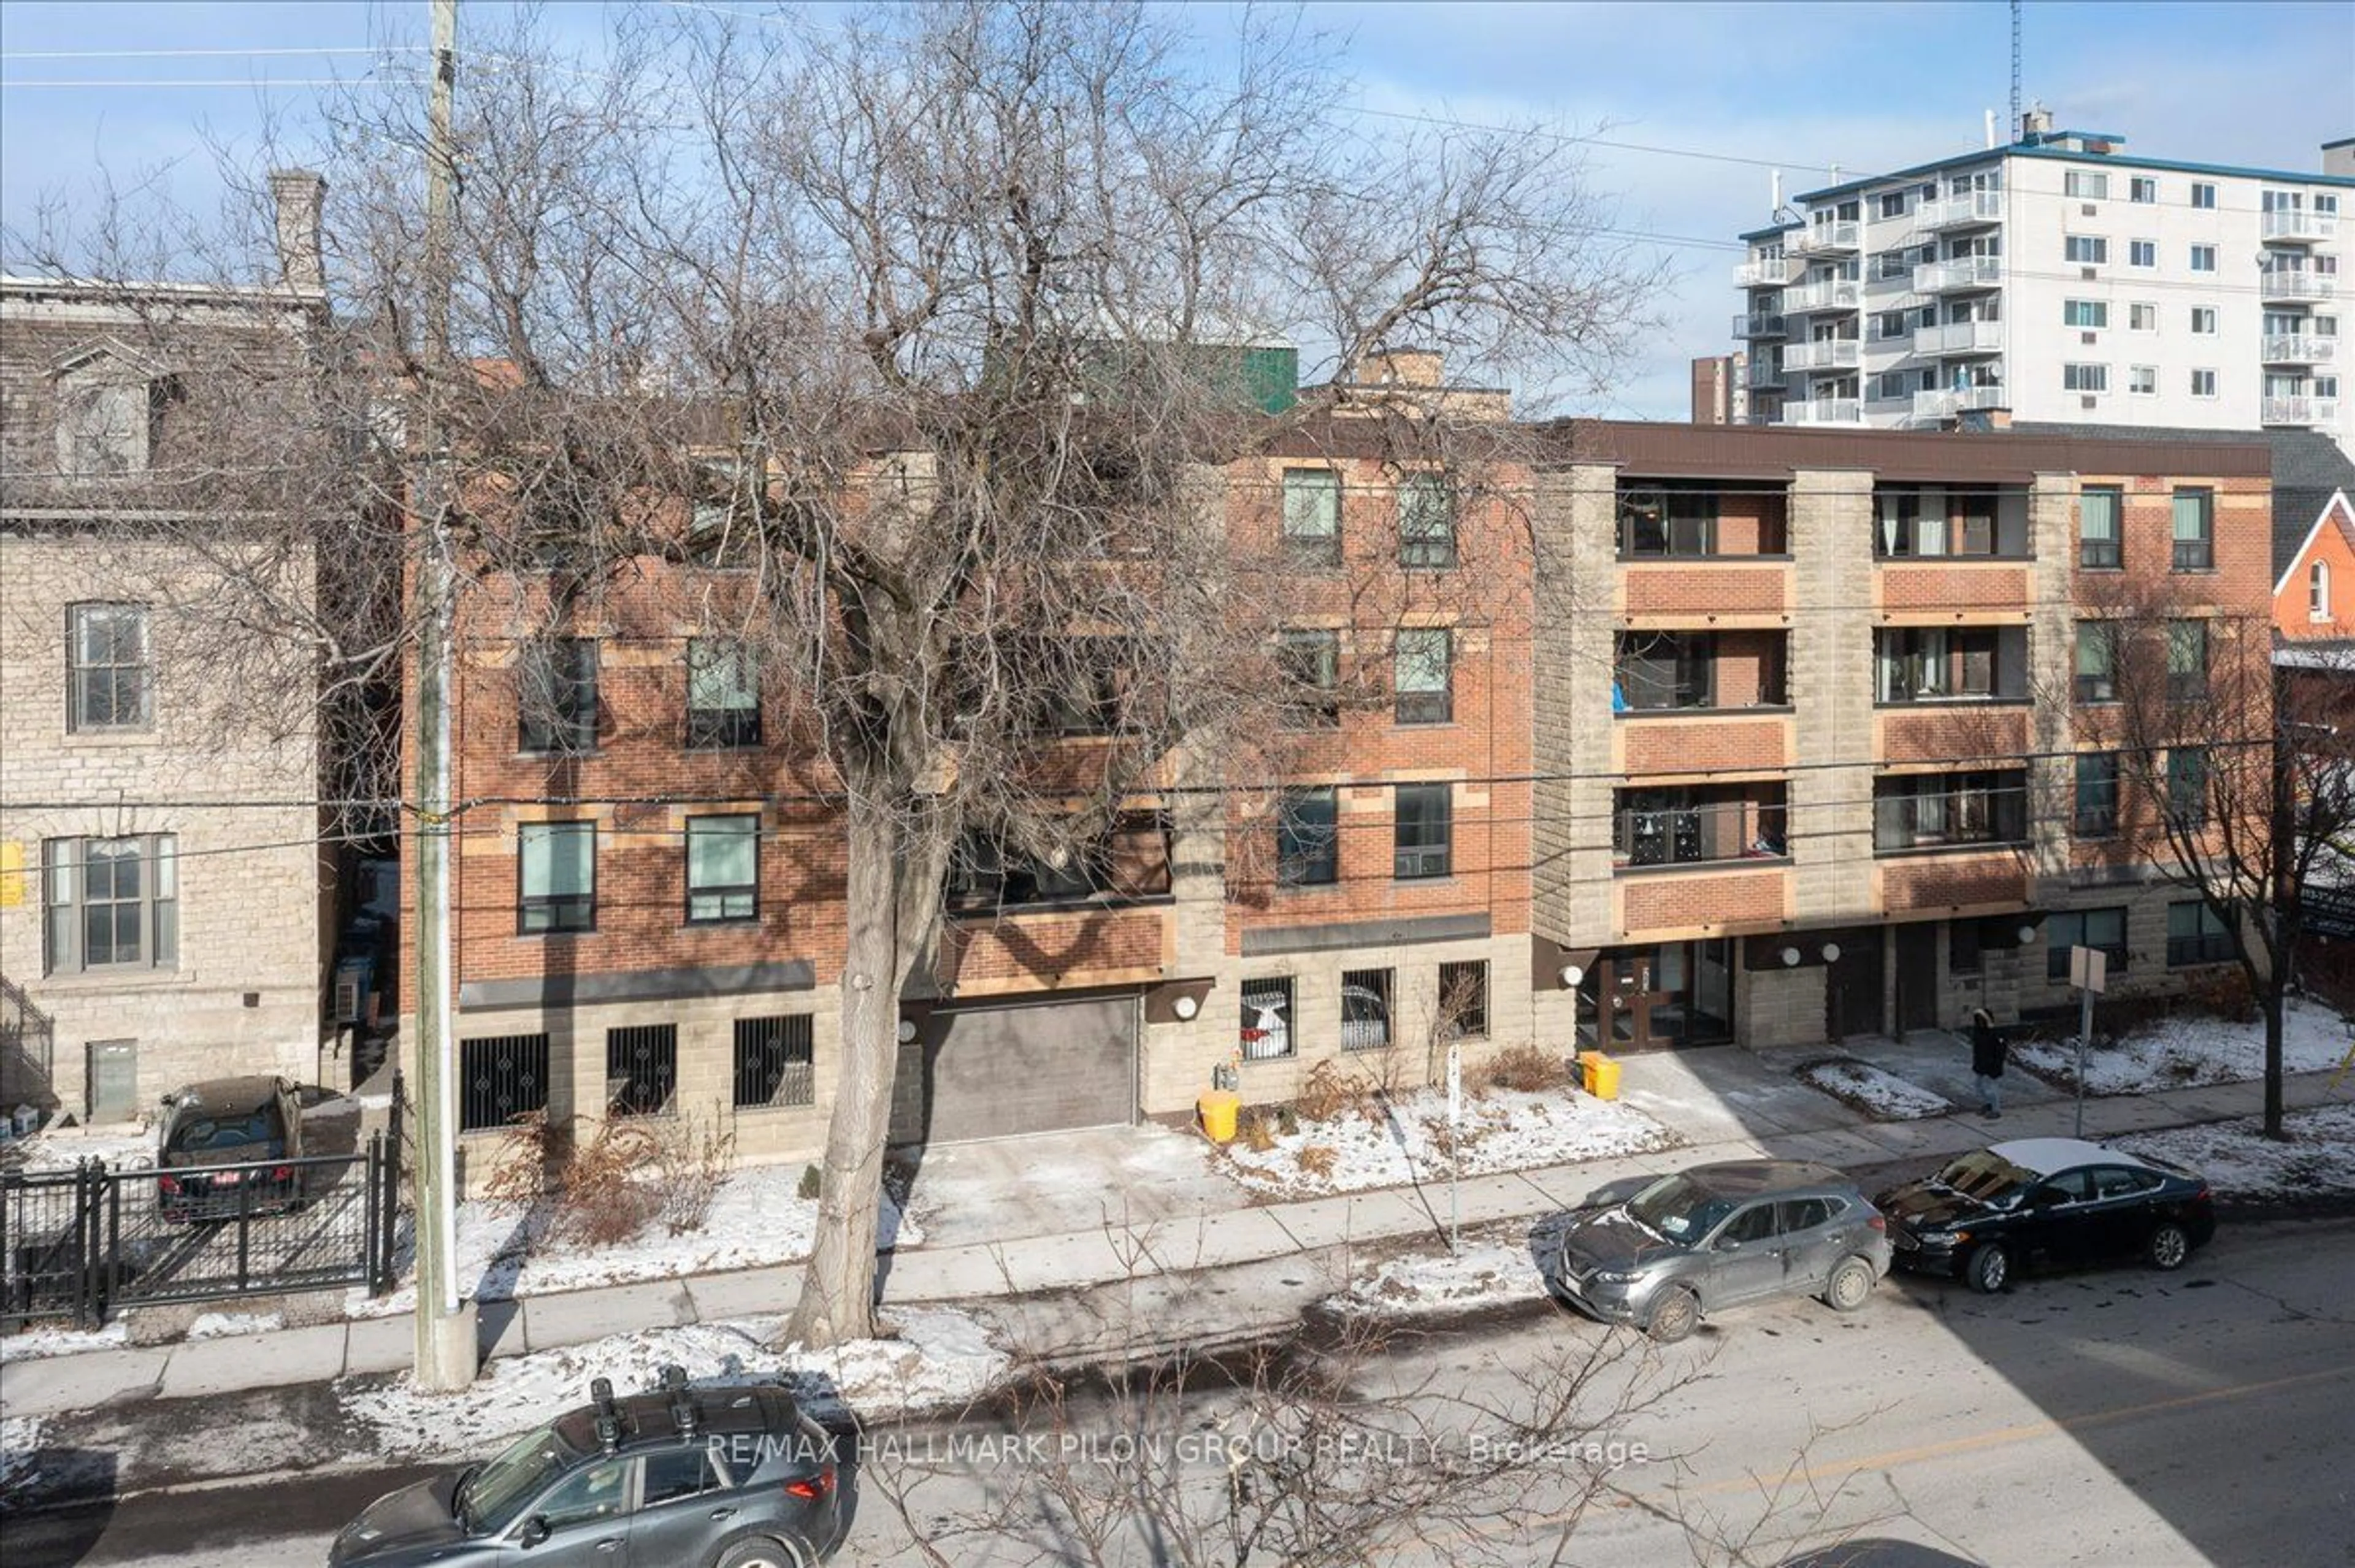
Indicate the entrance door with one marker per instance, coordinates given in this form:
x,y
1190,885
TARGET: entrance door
x,y
1630,993
1917,975
1853,987
114,1086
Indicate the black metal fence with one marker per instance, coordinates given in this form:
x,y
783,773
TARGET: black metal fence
x,y
81,1243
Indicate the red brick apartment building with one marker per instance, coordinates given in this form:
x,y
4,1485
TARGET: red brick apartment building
x,y
1777,743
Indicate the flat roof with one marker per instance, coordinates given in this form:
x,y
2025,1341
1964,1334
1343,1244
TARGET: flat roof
x,y
1660,449
2043,149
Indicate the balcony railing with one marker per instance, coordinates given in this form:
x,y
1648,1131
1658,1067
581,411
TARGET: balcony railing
x,y
1954,401
1759,324
1763,373
1767,271
1962,272
1822,240
1823,410
1967,210
2299,348
1833,293
2297,285
2301,410
1959,337
2296,223
1826,354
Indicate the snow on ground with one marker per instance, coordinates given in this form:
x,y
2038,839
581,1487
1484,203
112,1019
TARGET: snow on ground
x,y
20,1439
1405,1141
2185,1050
1485,1273
228,1324
2245,1166
62,1150
940,1358
1869,1089
33,1344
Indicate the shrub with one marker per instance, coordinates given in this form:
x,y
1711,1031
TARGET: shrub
x,y
1257,1133
692,1158
1287,1121
1528,1067
1317,1159
811,1184
1328,1092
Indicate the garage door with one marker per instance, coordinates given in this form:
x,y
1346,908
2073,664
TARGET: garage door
x,y
994,1073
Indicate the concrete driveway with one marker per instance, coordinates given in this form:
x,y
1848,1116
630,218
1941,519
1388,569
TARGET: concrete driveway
x,y
1933,1059
1056,1183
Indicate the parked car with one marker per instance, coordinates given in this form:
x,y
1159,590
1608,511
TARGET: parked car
x,y
725,1478
2061,1201
228,1145
1686,1246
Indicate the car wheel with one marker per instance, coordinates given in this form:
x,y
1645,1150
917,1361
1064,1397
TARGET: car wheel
x,y
1675,1315
762,1551
2168,1247
1850,1286
1989,1270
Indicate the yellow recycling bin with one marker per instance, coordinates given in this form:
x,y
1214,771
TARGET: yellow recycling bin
x,y
1217,1107
1602,1075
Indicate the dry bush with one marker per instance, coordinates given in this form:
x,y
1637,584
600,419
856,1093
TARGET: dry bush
x,y
629,1174
530,1157
692,1158
1257,1130
606,1195
1315,1159
1333,1089
2226,993
1529,1068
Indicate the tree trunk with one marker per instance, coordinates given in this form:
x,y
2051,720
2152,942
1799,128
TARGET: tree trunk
x,y
2272,1010
837,1299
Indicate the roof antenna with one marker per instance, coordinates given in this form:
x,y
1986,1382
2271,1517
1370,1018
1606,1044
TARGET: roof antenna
x,y
2018,133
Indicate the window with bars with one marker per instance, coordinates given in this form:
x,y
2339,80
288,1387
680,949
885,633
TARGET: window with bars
x,y
1308,838
111,905
2101,532
1366,1009
1423,840
2195,935
556,695
1464,999
641,1070
776,1062
1264,1033
723,694
556,873
1426,522
500,1079
1424,675
1312,516
723,869
111,668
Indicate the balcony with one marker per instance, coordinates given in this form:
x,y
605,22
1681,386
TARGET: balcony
x,y
1832,293
1955,400
1759,324
1963,273
1697,826
2301,410
1970,210
1960,337
2299,348
1766,273
1823,410
1824,354
2297,285
1763,373
1824,239
2296,226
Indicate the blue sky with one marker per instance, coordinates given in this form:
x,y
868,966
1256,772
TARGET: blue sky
x,y
1805,87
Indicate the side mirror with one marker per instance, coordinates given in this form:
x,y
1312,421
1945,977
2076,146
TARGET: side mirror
x,y
535,1530
1728,1245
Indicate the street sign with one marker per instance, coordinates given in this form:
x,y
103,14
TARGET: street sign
x,y
1454,1085
2089,969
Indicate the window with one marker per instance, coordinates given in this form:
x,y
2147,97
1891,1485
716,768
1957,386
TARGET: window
x,y
1310,663
113,904
1312,515
1307,843
2203,258
2195,524
2203,383
2186,661
2097,795
106,430
1426,522
1755,1224
1945,664
2102,928
2196,934
2084,313
2187,786
1693,824
723,694
2143,191
675,1474
1422,839
2203,320
2142,318
1964,956
2086,184
2100,540
1129,862
111,674
1663,670
1365,1009
1922,811
723,869
720,528
2142,252
556,695
641,1070
557,877
1423,674
2326,385
2203,194
2318,591
1929,521
2097,663
1464,999
500,1079
2142,380
1265,1032
1662,522
2089,249
776,1062
2084,378
1892,204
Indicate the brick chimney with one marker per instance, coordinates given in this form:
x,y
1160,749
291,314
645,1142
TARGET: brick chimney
x,y
300,196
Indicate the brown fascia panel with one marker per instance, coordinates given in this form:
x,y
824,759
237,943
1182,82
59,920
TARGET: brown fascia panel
x,y
1662,450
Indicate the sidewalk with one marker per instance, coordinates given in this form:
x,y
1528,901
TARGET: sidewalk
x,y
1726,1103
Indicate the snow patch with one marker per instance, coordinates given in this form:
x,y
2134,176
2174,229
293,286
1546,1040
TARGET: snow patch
x,y
33,1344
2241,1163
20,1440
2191,1051
1875,1092
1484,1275
228,1325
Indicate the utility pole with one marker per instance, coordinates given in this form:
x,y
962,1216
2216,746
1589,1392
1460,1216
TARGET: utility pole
x,y
445,1328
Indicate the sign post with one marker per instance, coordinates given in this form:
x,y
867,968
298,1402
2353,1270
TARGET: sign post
x,y
2089,971
1454,1149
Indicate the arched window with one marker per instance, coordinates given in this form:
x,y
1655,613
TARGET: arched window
x,y
2318,591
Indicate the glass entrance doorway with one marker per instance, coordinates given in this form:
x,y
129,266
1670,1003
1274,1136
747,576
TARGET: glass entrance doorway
x,y
1646,998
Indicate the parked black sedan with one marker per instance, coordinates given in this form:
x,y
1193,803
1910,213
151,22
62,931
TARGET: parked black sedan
x,y
2046,1201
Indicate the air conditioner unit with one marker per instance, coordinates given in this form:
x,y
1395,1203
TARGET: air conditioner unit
x,y
347,998
2088,209
2087,336
2088,273
2088,401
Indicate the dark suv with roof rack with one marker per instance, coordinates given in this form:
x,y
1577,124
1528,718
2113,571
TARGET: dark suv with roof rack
x,y
682,1477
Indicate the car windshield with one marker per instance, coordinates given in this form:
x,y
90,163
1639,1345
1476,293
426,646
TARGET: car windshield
x,y
1678,1208
494,1494
199,1133
1989,1176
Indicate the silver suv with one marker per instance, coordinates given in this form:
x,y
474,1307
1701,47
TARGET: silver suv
x,y
1718,1235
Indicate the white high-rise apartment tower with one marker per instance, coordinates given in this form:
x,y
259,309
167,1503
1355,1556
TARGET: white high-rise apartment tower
x,y
2060,278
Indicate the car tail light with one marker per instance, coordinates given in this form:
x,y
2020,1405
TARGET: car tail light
x,y
813,1487
282,1173
1880,1222
2200,1196
168,1183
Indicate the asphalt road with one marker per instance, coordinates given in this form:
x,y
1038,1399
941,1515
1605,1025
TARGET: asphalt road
x,y
2116,1417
